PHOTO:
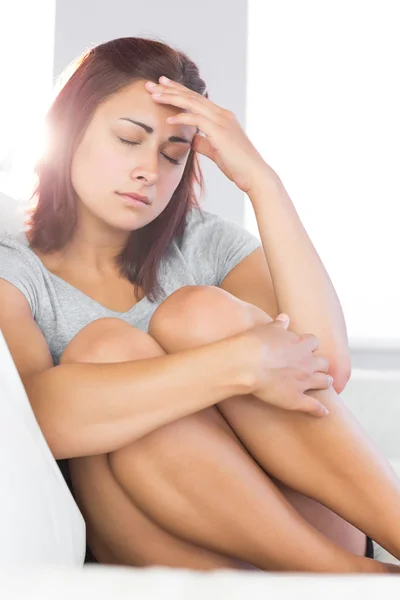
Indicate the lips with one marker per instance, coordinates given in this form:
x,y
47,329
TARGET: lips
x,y
137,197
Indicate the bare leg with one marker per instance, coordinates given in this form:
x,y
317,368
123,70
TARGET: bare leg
x,y
198,483
195,481
331,460
118,532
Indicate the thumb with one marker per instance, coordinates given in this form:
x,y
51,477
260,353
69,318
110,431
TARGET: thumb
x,y
202,145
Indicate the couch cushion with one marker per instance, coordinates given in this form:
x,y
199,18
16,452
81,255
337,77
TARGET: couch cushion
x,y
40,522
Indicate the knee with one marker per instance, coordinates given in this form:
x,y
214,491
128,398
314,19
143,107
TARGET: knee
x,y
110,340
202,314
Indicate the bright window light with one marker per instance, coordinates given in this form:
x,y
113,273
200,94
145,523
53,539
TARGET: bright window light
x,y
26,50
323,109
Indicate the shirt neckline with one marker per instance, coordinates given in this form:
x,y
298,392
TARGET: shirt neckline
x,y
87,298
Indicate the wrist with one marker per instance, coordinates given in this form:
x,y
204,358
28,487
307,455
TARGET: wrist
x,y
266,182
243,363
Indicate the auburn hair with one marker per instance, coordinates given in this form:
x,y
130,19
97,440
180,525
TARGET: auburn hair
x,y
96,75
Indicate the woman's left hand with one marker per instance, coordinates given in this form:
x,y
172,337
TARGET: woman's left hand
x,y
224,141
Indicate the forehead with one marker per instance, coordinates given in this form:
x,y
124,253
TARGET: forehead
x,y
136,102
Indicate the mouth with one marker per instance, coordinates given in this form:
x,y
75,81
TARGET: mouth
x,y
133,199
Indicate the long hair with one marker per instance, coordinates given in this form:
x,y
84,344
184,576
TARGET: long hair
x,y
96,75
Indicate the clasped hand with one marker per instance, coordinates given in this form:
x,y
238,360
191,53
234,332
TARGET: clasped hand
x,y
287,368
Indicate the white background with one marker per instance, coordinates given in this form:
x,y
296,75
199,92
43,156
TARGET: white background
x,y
26,67
323,108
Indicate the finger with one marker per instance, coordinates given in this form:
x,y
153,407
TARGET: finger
x,y
174,85
283,317
202,145
157,88
320,381
313,407
320,363
170,83
189,101
197,120
311,341
279,323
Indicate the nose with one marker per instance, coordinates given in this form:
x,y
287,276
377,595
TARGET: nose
x,y
146,166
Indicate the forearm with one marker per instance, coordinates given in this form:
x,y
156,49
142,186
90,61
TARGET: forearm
x,y
92,408
302,285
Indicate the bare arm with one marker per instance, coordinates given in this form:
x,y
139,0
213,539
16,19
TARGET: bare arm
x,y
300,281
92,408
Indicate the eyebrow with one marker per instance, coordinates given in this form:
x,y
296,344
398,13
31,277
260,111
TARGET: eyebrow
x,y
172,138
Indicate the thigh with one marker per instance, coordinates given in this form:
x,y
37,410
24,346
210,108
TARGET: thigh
x,y
107,340
118,532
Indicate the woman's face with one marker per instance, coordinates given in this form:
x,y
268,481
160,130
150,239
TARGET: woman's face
x,y
117,156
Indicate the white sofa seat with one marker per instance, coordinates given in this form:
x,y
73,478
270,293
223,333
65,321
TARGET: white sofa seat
x,y
40,522
128,583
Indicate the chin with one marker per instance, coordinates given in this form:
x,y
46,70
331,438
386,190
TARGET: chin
x,y
130,224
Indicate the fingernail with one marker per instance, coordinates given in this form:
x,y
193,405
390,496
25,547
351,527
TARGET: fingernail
x,y
282,317
325,411
151,84
165,79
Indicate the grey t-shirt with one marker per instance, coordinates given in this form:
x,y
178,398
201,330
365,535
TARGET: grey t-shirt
x,y
209,249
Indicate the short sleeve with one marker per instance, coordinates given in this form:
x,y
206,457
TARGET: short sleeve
x,y
217,245
17,270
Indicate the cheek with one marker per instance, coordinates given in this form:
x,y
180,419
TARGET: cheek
x,y
172,178
93,166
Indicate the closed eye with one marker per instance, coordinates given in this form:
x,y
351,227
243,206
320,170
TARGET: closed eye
x,y
130,143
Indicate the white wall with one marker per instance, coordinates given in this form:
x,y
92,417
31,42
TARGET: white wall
x,y
323,85
212,33
26,65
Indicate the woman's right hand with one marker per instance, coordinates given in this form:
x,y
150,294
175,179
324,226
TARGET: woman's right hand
x,y
286,368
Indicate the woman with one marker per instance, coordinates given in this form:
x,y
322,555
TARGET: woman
x,y
146,335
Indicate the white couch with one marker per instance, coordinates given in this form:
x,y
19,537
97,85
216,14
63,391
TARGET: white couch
x,y
42,533
40,522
